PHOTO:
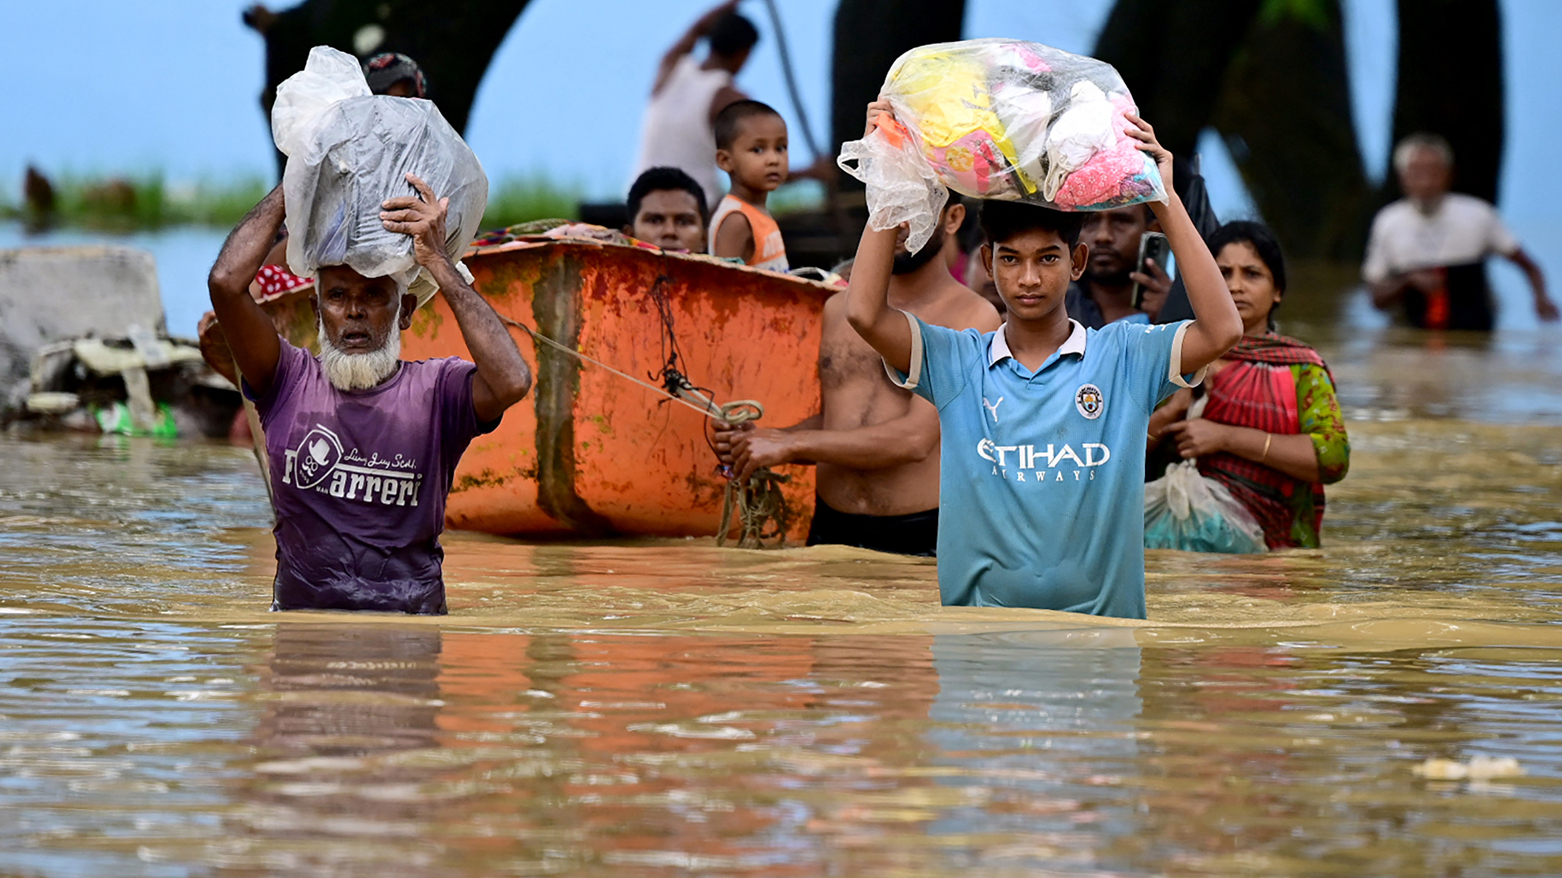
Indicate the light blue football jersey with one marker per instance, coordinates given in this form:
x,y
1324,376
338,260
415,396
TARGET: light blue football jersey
x,y
1041,487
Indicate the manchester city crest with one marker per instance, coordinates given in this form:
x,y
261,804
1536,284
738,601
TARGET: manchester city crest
x,y
1089,401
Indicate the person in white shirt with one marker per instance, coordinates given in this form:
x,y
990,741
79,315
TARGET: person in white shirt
x,y
688,94
1427,252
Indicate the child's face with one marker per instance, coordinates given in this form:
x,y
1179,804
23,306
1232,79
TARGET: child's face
x,y
757,158
1032,270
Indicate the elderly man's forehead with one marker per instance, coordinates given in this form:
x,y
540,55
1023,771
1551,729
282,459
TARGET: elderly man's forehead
x,y
343,275
1424,152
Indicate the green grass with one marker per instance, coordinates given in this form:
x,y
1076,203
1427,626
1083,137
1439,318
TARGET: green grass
x,y
129,203
133,203
530,197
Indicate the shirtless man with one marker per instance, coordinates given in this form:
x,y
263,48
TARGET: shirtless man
x,y
875,445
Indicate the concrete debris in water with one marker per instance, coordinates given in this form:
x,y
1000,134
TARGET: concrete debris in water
x,y
84,346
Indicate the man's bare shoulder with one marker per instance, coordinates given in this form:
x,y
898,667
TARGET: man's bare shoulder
x,y
959,307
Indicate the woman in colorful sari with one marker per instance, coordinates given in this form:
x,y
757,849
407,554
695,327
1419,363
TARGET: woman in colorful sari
x,y
1270,430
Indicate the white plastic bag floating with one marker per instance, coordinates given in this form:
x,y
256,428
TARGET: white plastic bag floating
x,y
1000,119
348,151
1184,510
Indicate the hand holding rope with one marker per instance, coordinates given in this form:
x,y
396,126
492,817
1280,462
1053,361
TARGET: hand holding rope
x,y
757,503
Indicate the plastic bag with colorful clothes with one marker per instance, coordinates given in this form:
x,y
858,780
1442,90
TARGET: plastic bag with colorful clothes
x,y
1000,119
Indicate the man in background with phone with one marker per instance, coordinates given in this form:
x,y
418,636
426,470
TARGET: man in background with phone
x,y
1106,293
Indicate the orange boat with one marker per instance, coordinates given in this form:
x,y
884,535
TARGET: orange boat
x,y
590,453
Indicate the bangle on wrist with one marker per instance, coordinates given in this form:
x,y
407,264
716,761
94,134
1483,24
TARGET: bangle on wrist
x,y
1268,438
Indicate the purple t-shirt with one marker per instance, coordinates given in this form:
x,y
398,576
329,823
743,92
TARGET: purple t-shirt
x,y
359,481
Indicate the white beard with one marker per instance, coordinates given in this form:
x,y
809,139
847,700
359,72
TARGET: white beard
x,y
360,371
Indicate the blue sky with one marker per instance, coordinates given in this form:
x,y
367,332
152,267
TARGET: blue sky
x,y
132,86
172,85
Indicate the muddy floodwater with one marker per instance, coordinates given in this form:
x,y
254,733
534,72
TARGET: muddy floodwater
x,y
665,708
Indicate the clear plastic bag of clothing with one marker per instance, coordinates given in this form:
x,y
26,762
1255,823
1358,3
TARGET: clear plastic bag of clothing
x,y
1000,119
1184,510
348,151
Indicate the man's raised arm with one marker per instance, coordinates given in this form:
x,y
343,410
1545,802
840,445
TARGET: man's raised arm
x,y
503,378
249,331
689,40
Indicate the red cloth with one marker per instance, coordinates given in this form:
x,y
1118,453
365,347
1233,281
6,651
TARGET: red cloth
x,y
1276,349
1258,390
275,280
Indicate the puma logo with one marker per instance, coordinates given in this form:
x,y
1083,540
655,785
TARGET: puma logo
x,y
992,407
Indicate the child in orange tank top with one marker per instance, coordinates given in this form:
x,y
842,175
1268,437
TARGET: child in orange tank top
x,y
751,147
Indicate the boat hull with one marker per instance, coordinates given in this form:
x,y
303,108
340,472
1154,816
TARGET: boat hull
x,y
590,453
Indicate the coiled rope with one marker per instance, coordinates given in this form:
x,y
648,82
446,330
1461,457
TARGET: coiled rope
x,y
757,501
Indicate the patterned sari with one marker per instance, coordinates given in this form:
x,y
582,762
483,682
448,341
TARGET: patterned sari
x,y
1281,386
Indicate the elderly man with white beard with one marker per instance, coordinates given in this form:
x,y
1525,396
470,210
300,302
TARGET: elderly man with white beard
x,y
363,446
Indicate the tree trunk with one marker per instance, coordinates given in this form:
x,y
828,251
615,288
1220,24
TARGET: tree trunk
x,y
452,40
1173,54
869,36
1450,83
1271,77
1285,114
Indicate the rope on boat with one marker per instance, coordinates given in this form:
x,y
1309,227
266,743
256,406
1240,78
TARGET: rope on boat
x,y
757,502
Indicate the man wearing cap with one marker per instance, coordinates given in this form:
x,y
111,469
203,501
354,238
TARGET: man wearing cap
x,y
362,445
394,74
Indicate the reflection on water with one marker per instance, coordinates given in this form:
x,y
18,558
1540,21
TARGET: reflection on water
x,y
667,708
341,706
1037,730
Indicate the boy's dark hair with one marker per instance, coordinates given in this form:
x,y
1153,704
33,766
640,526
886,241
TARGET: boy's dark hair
x,y
661,180
727,121
1002,220
1261,239
732,34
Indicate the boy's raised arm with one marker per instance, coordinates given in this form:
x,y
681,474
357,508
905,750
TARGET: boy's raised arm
x,y
1216,324
867,300
867,296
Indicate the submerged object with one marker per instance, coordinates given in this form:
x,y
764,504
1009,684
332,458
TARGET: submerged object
x,y
1478,768
589,453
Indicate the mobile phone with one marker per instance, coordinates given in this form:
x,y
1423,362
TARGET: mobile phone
x,y
1152,245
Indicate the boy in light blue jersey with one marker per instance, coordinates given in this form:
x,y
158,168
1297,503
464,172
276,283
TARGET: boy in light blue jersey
x,y
1041,493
